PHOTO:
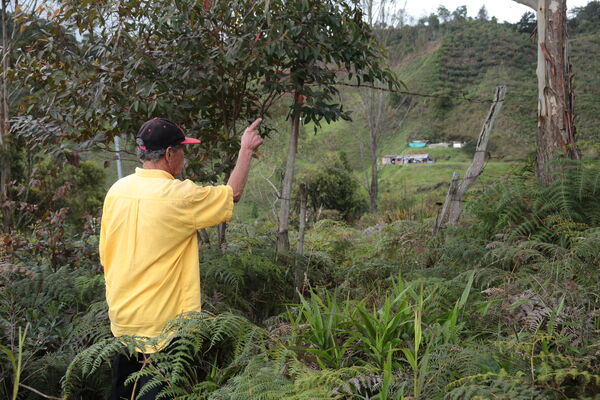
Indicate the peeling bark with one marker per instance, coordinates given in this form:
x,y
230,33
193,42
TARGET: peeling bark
x,y
556,100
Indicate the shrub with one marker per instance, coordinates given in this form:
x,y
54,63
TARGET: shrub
x,y
331,186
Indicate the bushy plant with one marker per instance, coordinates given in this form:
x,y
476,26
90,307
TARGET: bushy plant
x,y
332,186
50,186
255,284
320,327
64,312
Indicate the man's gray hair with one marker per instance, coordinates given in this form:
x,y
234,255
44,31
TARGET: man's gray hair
x,y
152,155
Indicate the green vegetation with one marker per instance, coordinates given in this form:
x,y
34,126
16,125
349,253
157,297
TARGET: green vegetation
x,y
504,305
331,186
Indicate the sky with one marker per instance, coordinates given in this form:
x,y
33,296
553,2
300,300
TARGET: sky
x,y
504,10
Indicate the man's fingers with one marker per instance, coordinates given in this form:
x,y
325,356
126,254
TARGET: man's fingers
x,y
255,124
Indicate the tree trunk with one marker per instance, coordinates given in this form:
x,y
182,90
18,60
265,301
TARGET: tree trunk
x,y
4,179
222,227
221,234
4,125
283,242
204,238
302,219
119,160
556,115
4,114
374,187
379,107
479,158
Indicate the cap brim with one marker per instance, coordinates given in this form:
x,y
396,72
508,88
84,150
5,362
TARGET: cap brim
x,y
189,140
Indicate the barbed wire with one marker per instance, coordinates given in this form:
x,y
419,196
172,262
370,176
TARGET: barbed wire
x,y
416,94
456,96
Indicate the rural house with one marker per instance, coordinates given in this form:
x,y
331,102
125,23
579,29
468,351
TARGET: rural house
x,y
403,159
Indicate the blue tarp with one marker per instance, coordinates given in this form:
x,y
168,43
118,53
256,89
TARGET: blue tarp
x,y
416,145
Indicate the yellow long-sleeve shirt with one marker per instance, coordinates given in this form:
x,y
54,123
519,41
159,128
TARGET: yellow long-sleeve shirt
x,y
149,249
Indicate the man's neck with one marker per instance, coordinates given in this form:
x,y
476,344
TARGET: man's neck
x,y
156,165
161,165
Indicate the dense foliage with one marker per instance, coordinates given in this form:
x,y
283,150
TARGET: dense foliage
x,y
503,306
331,187
385,312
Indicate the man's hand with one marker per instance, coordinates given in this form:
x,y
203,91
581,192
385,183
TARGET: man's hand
x,y
251,140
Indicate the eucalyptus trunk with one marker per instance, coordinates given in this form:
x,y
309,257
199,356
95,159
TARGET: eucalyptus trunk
x,y
556,100
283,241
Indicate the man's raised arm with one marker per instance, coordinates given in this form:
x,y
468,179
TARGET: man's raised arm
x,y
251,140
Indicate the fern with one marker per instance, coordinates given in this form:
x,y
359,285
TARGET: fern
x,y
549,366
89,361
200,339
448,363
251,283
262,382
90,327
282,376
554,213
494,387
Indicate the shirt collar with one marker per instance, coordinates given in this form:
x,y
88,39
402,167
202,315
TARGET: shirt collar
x,y
153,173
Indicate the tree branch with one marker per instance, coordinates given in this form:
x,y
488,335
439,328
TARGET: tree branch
x,y
277,193
39,393
529,3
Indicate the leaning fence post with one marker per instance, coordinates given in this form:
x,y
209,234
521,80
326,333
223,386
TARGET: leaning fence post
x,y
481,155
449,198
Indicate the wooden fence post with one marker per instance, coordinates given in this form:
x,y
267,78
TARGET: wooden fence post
x,y
439,222
479,158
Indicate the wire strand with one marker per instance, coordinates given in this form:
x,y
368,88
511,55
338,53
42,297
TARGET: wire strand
x,y
430,95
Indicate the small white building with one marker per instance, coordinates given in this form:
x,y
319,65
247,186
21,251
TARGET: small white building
x,y
442,145
458,145
404,159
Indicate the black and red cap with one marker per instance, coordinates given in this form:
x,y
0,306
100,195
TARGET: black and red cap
x,y
160,133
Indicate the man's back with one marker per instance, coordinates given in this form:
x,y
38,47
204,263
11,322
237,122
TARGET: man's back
x,y
148,243
149,250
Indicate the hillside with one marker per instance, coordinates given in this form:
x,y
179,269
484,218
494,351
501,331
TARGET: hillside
x,y
456,62
469,61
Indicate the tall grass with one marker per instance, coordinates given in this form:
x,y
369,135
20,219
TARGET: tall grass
x,y
16,361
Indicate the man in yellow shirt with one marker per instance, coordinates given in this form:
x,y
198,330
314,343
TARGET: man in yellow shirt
x,y
148,243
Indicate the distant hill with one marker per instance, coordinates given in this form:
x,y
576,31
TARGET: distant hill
x,y
467,60
454,61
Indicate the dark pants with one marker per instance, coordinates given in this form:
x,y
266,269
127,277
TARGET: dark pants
x,y
122,367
